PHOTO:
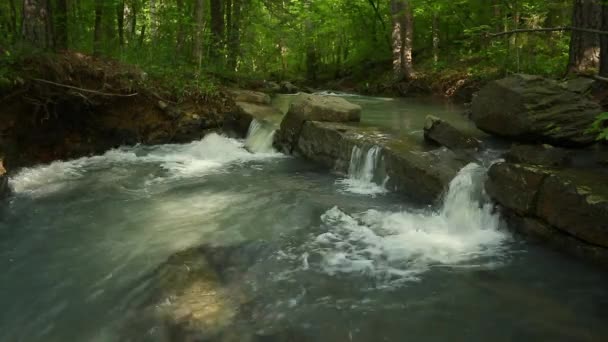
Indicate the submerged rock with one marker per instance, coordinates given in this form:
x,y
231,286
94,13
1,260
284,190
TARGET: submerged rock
x,y
198,295
444,134
534,109
307,107
568,205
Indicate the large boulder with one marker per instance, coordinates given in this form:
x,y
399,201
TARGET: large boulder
x,y
442,133
568,207
307,107
535,109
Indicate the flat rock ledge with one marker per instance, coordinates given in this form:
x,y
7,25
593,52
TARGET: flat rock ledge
x,y
326,133
250,105
421,175
567,208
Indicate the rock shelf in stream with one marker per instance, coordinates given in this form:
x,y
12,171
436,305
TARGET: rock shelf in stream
x,y
567,208
325,129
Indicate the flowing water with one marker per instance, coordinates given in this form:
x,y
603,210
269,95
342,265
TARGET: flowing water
x,y
79,239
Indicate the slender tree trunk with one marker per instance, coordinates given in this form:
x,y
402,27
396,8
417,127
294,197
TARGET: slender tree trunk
x,y
217,27
584,47
133,20
435,37
604,42
234,40
97,33
13,19
228,11
180,28
153,18
36,23
61,25
120,22
198,33
402,38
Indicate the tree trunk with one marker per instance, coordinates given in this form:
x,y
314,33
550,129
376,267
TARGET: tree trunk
x,y
61,25
153,18
584,47
234,40
217,27
198,34
13,19
180,28
604,42
435,30
97,33
36,23
402,38
120,22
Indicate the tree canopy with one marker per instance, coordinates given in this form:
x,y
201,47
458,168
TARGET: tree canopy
x,y
313,39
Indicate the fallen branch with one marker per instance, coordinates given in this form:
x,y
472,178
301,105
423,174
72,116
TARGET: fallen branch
x,y
600,78
548,29
82,89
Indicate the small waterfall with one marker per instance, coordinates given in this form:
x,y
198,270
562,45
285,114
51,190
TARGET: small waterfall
x,y
362,171
259,137
401,245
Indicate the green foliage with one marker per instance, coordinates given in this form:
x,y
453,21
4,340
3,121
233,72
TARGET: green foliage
x,y
324,39
600,126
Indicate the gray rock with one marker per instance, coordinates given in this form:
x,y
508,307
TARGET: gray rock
x,y
545,155
307,107
250,96
579,85
568,203
420,175
571,203
444,134
239,122
534,109
288,88
515,186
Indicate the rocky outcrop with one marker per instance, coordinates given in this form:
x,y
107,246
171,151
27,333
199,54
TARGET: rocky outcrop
x,y
444,134
307,107
567,207
326,129
534,109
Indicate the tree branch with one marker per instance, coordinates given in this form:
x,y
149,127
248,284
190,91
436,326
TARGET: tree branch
x,y
548,29
85,90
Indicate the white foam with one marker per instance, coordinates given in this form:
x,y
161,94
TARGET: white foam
x,y
260,137
361,172
179,161
399,246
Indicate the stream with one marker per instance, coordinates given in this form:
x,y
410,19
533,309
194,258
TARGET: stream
x,y
336,258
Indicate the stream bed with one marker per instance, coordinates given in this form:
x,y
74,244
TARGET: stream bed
x,y
325,259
